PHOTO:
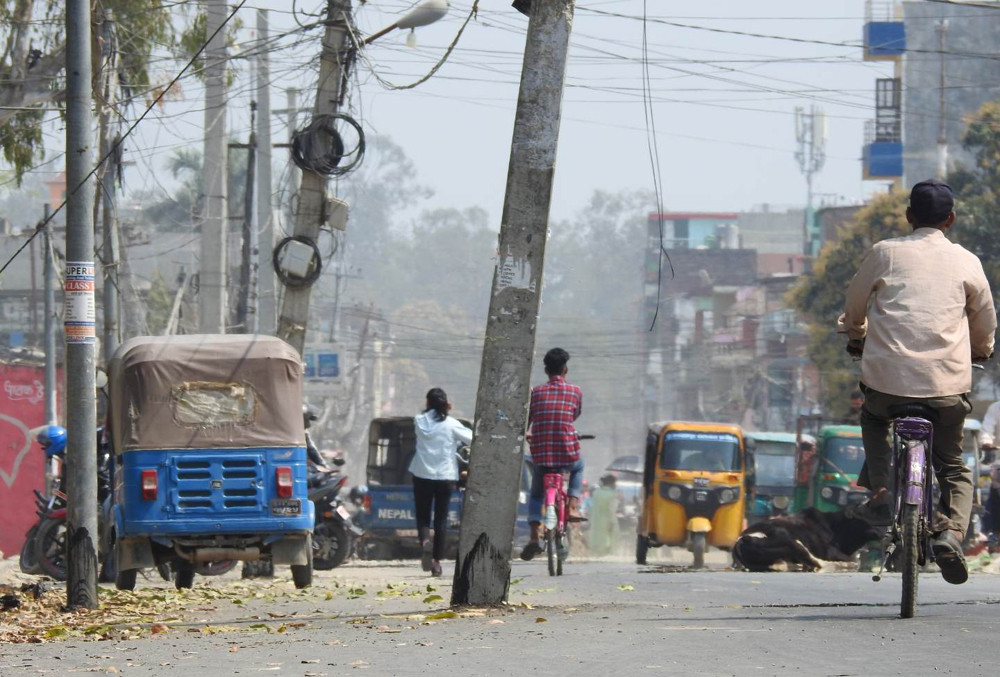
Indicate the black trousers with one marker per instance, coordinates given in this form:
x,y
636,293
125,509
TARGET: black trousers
x,y
437,493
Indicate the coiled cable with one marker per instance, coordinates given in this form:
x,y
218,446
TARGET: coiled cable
x,y
319,147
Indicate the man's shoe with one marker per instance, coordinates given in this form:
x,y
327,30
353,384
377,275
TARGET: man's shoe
x,y
877,515
435,568
948,553
426,555
529,551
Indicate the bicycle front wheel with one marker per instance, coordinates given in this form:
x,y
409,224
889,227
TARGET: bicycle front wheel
x,y
550,549
910,554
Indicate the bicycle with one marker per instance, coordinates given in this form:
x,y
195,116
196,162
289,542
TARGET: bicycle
x,y
555,508
910,533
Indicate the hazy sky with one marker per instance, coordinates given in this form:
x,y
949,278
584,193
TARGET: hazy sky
x,y
723,103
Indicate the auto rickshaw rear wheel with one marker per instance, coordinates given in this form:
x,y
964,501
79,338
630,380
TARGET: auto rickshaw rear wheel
x,y
125,579
183,575
641,548
302,574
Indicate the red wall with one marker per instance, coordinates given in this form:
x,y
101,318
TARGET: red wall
x,y
22,461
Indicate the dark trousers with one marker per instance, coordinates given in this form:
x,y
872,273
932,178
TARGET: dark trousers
x,y
437,493
954,478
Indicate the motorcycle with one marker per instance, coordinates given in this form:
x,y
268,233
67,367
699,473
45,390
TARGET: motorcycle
x,y
335,531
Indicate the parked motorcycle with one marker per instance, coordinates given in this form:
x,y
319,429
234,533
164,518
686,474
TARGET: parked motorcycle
x,y
50,536
335,531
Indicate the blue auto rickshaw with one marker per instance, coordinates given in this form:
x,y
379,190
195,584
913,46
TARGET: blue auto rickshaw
x,y
210,455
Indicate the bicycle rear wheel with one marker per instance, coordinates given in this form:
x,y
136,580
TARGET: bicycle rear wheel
x,y
909,554
550,549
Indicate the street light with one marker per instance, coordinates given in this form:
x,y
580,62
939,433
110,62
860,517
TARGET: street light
x,y
423,14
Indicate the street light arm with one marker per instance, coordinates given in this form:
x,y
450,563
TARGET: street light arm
x,y
423,14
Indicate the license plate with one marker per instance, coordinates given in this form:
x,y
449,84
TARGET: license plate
x,y
406,533
342,511
701,495
286,506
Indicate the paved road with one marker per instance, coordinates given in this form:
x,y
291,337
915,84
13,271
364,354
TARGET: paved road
x,y
601,618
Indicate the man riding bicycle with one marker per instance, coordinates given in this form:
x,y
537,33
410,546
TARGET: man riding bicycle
x,y
554,444
931,314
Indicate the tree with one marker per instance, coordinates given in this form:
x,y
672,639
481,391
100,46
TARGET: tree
x,y
32,64
977,191
820,295
159,302
182,209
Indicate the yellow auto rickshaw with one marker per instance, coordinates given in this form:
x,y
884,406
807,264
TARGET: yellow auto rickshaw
x,y
694,486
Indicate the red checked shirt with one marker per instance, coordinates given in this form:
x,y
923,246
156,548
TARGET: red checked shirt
x,y
554,407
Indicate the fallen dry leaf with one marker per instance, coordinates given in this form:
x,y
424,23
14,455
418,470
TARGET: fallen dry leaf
x,y
311,660
157,628
541,620
441,615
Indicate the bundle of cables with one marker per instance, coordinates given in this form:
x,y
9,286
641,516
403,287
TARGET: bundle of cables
x,y
319,147
315,264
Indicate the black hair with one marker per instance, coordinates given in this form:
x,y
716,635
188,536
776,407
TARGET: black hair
x,y
437,400
555,360
857,395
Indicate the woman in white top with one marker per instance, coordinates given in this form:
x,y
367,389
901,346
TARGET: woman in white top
x,y
435,472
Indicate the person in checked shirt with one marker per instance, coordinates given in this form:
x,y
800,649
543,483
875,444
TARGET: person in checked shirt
x,y
554,444
921,309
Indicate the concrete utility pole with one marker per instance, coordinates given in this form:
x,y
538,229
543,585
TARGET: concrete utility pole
x,y
51,413
214,260
942,144
482,574
81,398
246,312
267,304
309,214
107,175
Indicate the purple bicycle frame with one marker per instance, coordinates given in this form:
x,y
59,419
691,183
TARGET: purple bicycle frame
x,y
913,477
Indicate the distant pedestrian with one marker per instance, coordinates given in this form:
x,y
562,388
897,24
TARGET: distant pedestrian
x,y
853,414
604,530
435,472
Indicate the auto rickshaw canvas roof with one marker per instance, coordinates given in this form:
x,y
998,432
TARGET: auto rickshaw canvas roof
x,y
771,437
205,391
695,426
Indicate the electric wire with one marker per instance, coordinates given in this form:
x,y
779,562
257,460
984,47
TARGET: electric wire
x,y
654,162
120,140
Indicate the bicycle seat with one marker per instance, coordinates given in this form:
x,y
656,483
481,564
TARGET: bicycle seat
x,y
914,410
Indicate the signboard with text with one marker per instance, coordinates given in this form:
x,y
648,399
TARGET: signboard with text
x,y
22,461
322,367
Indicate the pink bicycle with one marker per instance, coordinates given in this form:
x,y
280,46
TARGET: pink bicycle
x,y
555,510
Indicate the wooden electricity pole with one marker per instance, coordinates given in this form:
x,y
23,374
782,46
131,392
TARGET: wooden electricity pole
x,y
482,574
212,278
106,178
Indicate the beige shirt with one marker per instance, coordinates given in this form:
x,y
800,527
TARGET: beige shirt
x,y
931,312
